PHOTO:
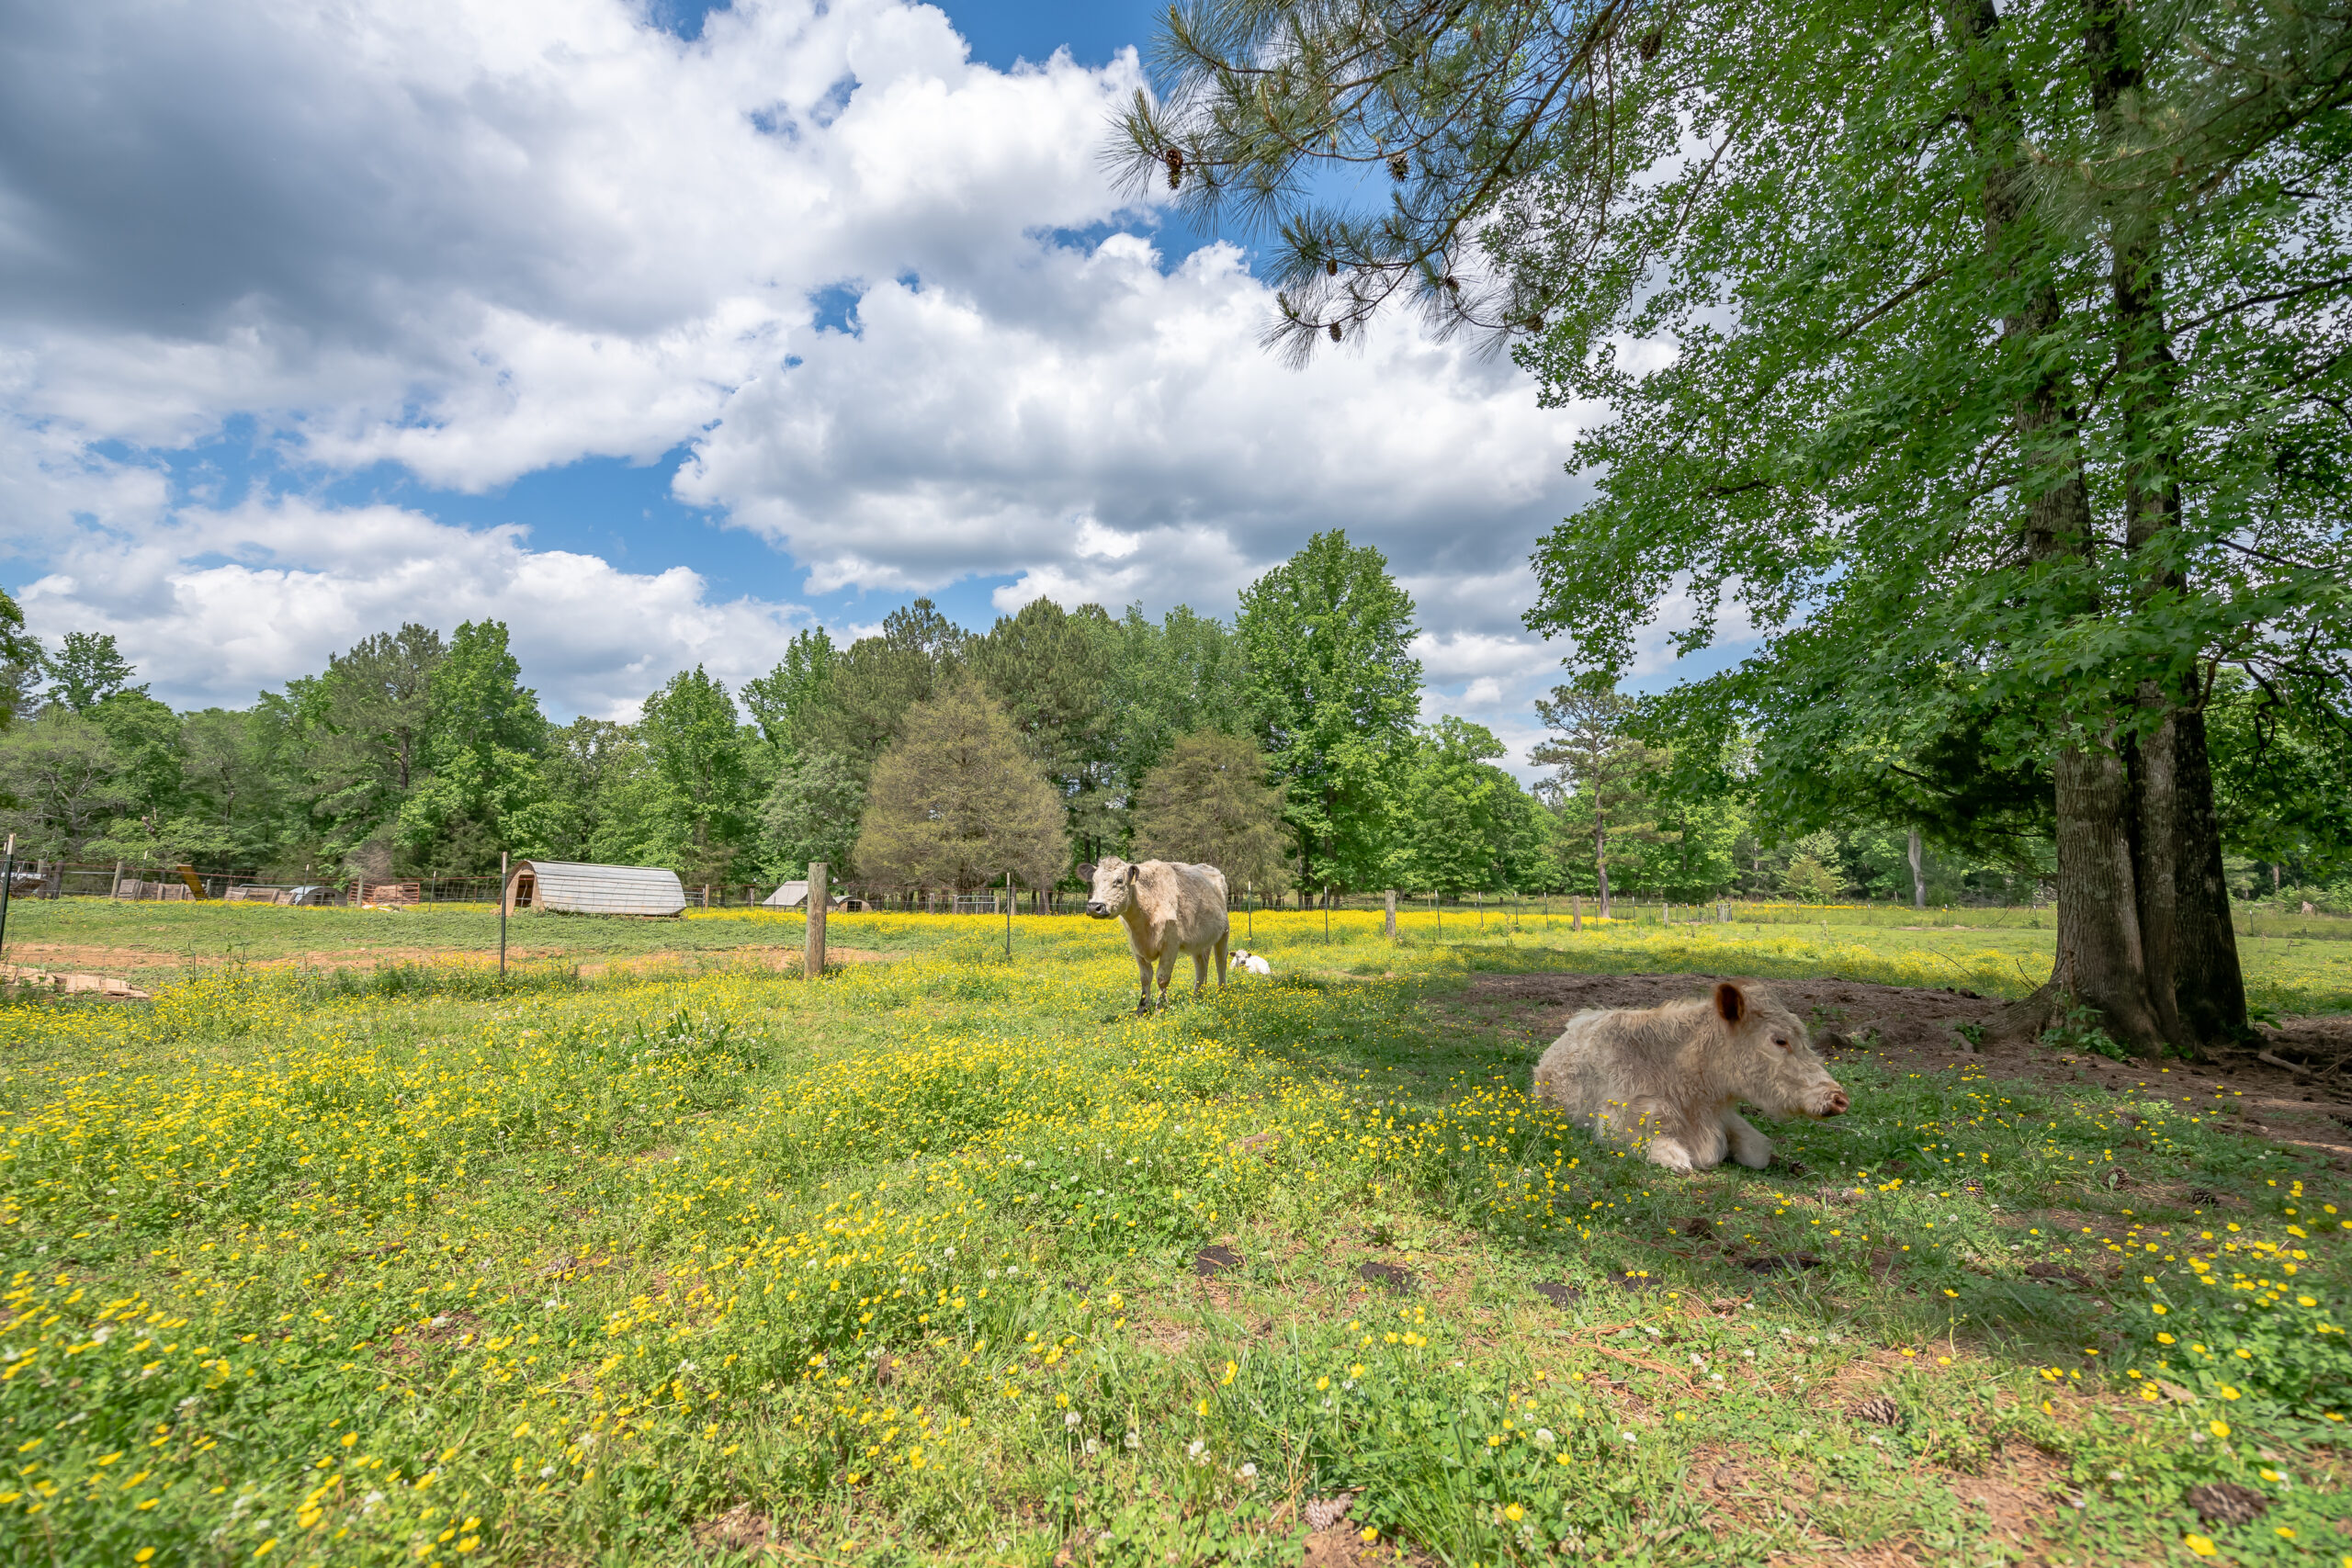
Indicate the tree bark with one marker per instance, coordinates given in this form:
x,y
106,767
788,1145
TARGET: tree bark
x,y
2194,979
2209,985
1600,852
2102,959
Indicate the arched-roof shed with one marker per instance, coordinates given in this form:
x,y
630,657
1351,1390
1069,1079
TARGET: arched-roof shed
x,y
568,888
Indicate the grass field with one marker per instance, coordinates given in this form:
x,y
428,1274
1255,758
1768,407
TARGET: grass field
x,y
694,1257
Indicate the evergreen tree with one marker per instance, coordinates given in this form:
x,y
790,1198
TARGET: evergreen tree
x,y
1207,803
1334,690
1605,776
367,722
483,792
878,678
1054,670
956,802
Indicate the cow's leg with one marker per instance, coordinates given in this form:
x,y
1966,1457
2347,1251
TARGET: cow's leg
x,y
1167,970
1143,978
1222,937
1200,970
1652,1123
1748,1146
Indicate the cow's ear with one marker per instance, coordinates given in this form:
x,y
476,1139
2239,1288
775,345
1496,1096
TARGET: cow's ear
x,y
1731,1002
1087,872
1134,872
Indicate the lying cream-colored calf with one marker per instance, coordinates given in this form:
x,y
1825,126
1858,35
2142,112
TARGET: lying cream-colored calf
x,y
1667,1077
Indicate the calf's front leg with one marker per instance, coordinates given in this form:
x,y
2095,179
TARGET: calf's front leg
x,y
1653,1125
1748,1146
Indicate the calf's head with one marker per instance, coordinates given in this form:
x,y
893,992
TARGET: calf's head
x,y
1114,887
1766,1056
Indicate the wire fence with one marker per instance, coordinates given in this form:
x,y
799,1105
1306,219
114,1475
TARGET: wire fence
x,y
1507,909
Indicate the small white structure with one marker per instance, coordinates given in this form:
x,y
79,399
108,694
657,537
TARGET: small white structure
x,y
568,888
788,896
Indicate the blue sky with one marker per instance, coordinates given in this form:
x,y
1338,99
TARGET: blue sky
x,y
659,334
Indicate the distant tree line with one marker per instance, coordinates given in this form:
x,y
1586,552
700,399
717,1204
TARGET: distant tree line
x,y
1286,747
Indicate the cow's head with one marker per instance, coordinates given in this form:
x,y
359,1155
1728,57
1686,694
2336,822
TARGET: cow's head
x,y
1768,1055
1114,887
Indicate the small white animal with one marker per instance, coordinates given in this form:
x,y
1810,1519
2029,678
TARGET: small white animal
x,y
1667,1077
1249,963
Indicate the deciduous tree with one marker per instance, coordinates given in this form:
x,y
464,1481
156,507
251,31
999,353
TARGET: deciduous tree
x,y
1334,690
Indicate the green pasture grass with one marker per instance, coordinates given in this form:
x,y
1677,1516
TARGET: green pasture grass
x,y
901,1266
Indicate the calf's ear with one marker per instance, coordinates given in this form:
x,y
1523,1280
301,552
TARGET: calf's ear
x,y
1134,872
1731,1002
1087,871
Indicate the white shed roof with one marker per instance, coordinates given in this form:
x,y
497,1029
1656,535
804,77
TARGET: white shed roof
x,y
571,888
788,896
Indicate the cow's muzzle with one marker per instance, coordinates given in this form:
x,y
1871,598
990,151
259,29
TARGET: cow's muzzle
x,y
1096,908
1835,1104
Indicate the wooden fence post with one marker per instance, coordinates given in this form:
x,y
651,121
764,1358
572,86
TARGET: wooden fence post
x,y
1576,913
812,952
1388,922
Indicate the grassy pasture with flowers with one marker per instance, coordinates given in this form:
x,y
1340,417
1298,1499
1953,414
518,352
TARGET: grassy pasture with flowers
x,y
928,1261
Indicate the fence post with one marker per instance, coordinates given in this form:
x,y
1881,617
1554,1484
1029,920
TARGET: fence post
x,y
1389,920
501,916
1009,901
7,885
812,950
1327,917
1575,912
116,891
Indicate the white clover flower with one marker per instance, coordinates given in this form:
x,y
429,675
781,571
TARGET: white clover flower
x,y
1544,1438
1070,1418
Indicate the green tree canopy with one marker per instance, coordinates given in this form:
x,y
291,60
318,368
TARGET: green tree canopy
x,y
1462,814
787,702
1207,803
86,670
876,679
1335,691
705,798
2004,358
20,660
811,814
956,802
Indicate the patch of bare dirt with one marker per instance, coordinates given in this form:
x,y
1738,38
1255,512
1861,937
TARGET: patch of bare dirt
x,y
1910,1029
740,1528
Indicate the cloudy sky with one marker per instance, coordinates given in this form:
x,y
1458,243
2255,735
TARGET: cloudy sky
x,y
658,332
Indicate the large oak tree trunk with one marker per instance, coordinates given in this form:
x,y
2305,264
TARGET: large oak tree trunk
x,y
2193,975
2209,986
2102,959
2101,955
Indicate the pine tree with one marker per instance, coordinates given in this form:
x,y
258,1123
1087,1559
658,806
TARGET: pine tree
x,y
1208,804
956,802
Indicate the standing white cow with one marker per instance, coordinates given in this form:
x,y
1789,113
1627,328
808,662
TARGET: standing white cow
x,y
1169,908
